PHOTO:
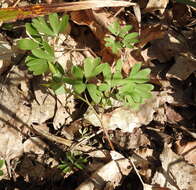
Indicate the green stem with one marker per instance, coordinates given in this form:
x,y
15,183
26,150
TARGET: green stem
x,y
97,115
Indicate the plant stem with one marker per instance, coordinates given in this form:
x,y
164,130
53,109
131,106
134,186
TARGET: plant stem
x,y
98,117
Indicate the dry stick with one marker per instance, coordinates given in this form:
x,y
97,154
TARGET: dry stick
x,y
86,139
13,13
137,172
16,3
60,140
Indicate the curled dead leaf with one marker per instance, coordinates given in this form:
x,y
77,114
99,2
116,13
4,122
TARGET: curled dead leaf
x,y
187,150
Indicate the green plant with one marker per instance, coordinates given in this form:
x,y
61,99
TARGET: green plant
x,y
121,37
1,165
93,78
72,162
42,59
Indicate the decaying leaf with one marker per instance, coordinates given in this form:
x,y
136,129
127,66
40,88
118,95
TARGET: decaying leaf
x,y
181,14
34,145
187,150
5,54
172,115
175,172
186,64
166,48
118,167
11,143
156,5
150,33
127,119
44,107
132,140
14,97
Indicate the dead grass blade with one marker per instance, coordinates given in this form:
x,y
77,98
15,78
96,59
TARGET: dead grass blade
x,y
15,13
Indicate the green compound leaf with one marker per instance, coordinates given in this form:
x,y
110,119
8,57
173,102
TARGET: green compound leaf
x,y
48,48
27,44
54,23
57,87
40,53
115,28
95,94
131,36
125,30
104,87
107,73
99,69
114,45
42,27
117,76
139,76
77,72
133,90
130,39
89,66
79,88
64,23
31,31
37,66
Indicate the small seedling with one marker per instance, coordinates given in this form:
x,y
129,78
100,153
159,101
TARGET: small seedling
x,y
72,162
42,57
121,38
93,78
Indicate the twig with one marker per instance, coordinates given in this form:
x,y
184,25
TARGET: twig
x,y
16,3
60,140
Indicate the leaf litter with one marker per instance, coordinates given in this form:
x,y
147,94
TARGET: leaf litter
x,y
159,137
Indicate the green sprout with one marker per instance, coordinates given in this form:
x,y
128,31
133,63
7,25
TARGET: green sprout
x,y
72,162
121,37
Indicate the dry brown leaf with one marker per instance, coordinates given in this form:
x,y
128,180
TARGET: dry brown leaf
x,y
14,97
154,5
46,106
175,172
118,167
181,14
166,48
172,115
34,145
152,187
6,53
150,33
127,119
132,140
185,64
187,150
97,20
11,143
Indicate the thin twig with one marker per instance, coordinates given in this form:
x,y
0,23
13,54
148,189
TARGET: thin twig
x,y
100,120
16,3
